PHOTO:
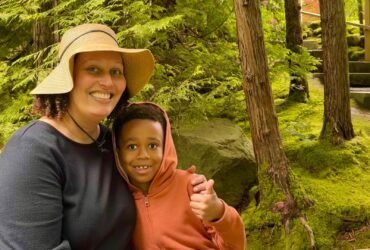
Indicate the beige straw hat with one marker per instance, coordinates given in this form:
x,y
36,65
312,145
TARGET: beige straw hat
x,y
138,63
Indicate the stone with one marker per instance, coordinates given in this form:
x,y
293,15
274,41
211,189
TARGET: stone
x,y
353,40
311,44
221,151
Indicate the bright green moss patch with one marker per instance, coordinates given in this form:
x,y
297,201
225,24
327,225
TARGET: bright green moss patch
x,y
336,179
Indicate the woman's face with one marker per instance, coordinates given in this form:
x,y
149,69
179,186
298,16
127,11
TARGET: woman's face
x,y
98,85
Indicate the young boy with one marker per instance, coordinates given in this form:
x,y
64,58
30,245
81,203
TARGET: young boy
x,y
169,215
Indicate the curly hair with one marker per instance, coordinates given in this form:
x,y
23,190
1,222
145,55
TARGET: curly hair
x,y
142,111
52,106
55,105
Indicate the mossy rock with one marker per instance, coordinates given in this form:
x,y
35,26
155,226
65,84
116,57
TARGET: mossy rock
x,y
354,40
314,25
317,32
220,150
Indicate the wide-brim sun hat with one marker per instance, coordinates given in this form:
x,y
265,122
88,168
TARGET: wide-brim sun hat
x,y
138,63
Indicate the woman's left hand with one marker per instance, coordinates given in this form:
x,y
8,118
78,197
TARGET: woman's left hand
x,y
198,181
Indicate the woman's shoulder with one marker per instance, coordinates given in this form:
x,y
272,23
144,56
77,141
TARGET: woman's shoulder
x,y
36,132
31,151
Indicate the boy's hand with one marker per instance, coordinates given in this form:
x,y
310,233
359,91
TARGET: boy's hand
x,y
207,206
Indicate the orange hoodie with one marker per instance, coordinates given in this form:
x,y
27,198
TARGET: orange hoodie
x,y
165,219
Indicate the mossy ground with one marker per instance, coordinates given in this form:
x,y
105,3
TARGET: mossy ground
x,y
335,178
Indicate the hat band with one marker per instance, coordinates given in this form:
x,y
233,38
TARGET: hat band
x,y
90,31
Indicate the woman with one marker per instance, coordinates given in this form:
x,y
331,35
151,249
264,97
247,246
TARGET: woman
x,y
59,185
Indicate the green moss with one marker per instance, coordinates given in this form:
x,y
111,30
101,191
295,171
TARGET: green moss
x,y
334,180
275,237
357,238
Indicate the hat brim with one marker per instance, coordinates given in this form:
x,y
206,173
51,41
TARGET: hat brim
x,y
138,69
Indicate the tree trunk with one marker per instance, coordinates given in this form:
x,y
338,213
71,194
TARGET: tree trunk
x,y
360,15
337,125
298,83
262,116
43,32
273,174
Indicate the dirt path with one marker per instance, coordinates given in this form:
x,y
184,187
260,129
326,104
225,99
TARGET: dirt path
x,y
355,111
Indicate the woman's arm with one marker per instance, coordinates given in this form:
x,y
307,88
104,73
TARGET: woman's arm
x,y
31,209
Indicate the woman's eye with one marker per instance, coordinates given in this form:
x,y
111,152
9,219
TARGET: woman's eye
x,y
153,146
116,72
93,70
132,147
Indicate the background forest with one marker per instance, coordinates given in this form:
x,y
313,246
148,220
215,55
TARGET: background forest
x,y
198,77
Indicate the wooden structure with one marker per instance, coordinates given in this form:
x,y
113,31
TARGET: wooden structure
x,y
310,6
366,27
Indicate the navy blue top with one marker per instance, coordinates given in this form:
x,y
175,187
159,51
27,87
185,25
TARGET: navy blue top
x,y
59,194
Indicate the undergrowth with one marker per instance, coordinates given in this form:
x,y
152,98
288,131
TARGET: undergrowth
x,y
335,178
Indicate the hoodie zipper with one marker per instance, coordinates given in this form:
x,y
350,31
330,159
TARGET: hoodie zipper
x,y
149,220
146,200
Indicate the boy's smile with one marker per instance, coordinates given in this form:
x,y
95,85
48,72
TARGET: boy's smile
x,y
141,151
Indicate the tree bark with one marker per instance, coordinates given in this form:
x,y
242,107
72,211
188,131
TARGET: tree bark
x,y
273,174
337,125
360,15
262,116
298,84
43,32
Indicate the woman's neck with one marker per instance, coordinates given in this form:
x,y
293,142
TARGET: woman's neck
x,y
73,128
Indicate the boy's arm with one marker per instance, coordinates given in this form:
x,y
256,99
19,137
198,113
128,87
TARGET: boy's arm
x,y
221,220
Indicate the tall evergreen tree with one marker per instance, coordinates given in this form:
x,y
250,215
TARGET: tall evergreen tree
x,y
298,82
273,171
337,125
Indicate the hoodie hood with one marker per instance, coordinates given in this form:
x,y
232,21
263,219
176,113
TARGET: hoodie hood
x,y
168,165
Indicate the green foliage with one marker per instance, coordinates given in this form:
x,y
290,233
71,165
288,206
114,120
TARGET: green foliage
x,y
18,113
351,9
197,71
301,63
197,76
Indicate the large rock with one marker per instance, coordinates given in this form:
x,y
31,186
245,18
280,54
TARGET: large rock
x,y
354,40
221,151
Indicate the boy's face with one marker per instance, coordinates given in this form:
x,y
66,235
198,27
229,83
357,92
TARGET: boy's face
x,y
141,151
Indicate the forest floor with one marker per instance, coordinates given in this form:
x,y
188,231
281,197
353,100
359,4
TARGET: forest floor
x,y
334,177
356,110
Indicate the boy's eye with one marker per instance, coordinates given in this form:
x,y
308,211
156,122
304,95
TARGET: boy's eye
x,y
116,72
153,146
132,146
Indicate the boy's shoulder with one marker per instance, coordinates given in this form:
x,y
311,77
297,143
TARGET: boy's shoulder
x,y
184,174
183,178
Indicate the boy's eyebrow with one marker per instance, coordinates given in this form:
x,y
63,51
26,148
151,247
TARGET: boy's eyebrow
x,y
132,138
154,138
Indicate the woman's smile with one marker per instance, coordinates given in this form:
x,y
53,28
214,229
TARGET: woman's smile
x,y
101,95
99,84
